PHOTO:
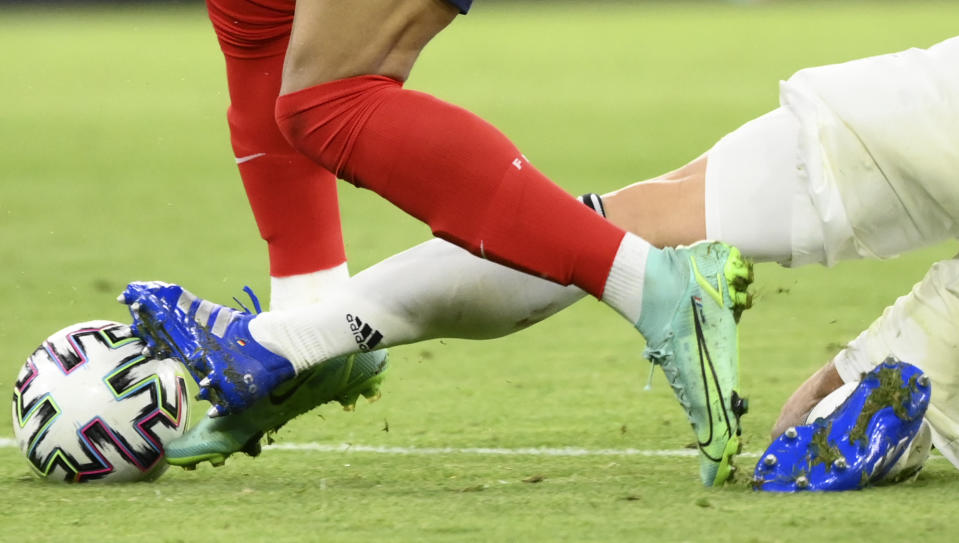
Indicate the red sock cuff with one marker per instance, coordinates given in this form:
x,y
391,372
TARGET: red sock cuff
x,y
324,121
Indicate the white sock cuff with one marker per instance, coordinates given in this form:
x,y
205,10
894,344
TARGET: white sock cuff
x,y
306,288
624,286
278,332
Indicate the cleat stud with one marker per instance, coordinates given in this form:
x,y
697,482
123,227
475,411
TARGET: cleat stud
x,y
802,482
770,460
791,433
253,447
135,306
145,352
122,299
372,394
740,406
840,464
348,401
923,380
205,382
741,283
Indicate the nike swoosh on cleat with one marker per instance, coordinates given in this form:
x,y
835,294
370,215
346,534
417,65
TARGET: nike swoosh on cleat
x,y
247,158
706,360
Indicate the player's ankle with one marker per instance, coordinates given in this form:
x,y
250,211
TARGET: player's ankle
x,y
625,284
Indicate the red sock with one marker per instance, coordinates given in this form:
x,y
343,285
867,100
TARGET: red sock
x,y
293,199
454,171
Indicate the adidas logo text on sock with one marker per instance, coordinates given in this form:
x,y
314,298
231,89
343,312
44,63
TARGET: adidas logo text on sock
x,y
365,335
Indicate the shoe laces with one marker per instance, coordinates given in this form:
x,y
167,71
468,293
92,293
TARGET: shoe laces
x,y
655,357
253,299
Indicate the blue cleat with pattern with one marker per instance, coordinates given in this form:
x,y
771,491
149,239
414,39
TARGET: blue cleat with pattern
x,y
213,341
858,443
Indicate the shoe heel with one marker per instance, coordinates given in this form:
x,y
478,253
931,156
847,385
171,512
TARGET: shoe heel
x,y
739,275
738,270
726,466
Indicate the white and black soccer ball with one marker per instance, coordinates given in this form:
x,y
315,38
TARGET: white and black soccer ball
x,y
88,406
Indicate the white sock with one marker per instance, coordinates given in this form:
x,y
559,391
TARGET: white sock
x,y
306,335
435,289
624,286
305,289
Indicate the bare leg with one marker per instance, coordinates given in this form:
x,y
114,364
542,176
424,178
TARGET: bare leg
x,y
817,387
334,40
667,211
744,191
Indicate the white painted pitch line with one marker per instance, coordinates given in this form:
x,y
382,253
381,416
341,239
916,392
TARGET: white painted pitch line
x,y
484,451
6,443
477,451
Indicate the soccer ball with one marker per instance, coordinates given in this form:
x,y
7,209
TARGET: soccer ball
x,y
913,458
88,406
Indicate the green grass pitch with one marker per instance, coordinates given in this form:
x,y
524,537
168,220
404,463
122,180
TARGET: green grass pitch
x,y
115,165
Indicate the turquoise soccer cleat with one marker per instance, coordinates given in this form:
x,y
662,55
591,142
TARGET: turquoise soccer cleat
x,y
343,379
692,301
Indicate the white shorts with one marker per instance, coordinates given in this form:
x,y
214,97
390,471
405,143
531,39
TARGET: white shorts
x,y
861,160
921,328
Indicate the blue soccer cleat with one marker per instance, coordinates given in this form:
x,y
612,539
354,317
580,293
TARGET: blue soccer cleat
x,y
855,445
213,341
